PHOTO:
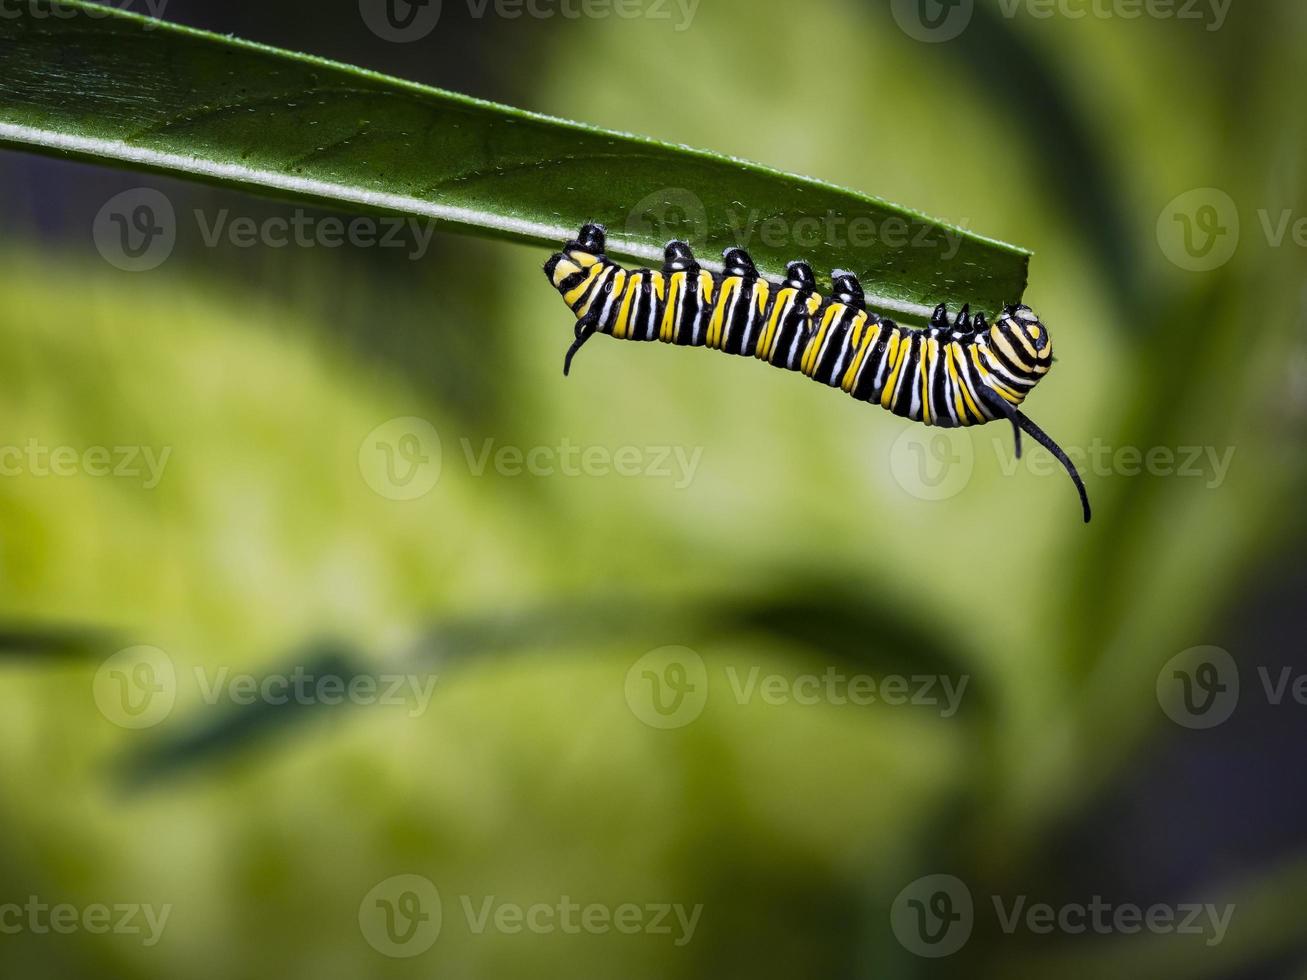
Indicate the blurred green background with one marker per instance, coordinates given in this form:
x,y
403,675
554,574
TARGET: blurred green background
x,y
596,643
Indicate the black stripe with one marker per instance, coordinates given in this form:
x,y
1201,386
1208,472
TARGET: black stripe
x,y
901,403
864,385
754,322
1011,368
883,347
941,408
606,323
736,318
836,339
797,334
687,310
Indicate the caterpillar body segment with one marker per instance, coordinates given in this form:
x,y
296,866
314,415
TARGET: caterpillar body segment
x,y
952,373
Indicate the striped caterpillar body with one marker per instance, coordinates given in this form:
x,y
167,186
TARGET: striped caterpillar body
x,y
948,374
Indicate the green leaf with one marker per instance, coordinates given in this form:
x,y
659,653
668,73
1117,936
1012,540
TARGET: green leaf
x,y
85,81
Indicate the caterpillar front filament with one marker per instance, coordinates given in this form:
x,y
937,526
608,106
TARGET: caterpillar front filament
x,y
949,374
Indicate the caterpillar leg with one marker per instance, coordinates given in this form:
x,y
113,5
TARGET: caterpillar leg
x,y
738,262
592,238
848,290
678,258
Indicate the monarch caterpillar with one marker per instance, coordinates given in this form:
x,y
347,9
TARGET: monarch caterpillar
x,y
948,374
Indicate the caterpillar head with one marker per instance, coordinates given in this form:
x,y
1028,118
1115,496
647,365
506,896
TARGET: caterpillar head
x,y
1028,336
577,257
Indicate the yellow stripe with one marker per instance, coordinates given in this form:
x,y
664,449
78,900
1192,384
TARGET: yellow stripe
x,y
768,341
956,381
809,362
595,292
667,332
624,315
729,289
761,294
583,259
855,332
955,350
706,286
996,373
898,353
574,297
993,383
851,375
1001,342
617,288
1027,344
929,353
564,269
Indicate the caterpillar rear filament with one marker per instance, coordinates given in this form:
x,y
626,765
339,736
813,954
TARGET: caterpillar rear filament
x,y
949,374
